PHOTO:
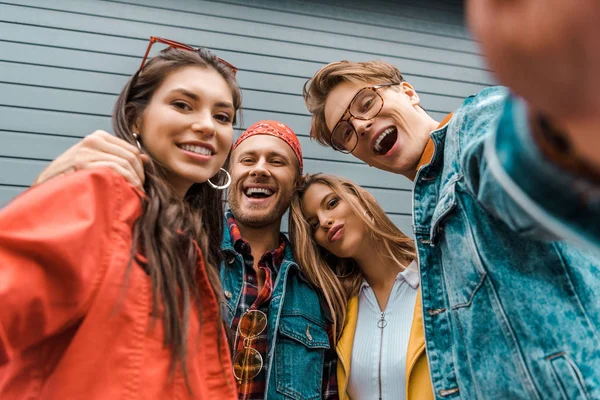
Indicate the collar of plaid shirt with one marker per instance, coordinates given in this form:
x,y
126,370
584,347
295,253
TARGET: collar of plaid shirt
x,y
243,247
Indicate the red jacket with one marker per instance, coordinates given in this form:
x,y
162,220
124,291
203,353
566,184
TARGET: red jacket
x,y
69,327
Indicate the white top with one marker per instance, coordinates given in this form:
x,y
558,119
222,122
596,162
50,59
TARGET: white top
x,y
390,342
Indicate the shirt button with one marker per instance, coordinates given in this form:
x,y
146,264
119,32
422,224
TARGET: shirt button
x,y
227,294
251,279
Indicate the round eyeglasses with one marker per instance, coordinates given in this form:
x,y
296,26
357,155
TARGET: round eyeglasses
x,y
365,105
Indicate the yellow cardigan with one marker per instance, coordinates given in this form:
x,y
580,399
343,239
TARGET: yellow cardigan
x,y
418,382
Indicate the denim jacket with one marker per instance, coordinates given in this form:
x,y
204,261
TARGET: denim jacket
x,y
296,326
508,311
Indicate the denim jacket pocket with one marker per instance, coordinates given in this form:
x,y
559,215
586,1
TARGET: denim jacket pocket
x,y
300,356
567,376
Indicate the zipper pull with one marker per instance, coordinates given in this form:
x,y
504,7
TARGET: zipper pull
x,y
382,323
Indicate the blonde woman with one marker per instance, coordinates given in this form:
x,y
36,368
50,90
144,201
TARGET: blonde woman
x,y
366,268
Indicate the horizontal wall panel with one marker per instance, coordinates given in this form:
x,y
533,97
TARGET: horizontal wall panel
x,y
52,122
63,63
8,193
32,145
359,27
89,9
18,172
141,30
373,13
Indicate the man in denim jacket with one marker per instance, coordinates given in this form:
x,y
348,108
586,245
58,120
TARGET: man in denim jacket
x,y
509,312
290,357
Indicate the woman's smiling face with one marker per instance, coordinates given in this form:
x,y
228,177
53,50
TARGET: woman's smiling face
x,y
188,125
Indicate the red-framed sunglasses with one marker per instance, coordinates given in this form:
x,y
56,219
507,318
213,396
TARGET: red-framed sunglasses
x,y
181,46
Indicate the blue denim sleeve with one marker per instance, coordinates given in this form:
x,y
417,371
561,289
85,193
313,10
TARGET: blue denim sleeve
x,y
558,202
476,124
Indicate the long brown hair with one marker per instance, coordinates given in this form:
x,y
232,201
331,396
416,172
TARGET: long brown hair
x,y
169,227
339,279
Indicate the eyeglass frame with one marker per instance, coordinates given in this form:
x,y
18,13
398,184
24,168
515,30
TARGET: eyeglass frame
x,y
182,46
374,88
247,341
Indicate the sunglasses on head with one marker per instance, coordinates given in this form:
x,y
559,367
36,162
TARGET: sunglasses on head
x,y
181,46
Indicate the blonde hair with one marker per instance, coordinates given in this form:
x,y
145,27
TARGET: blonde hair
x,y
318,264
317,89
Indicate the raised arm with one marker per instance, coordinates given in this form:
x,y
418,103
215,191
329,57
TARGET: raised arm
x,y
99,150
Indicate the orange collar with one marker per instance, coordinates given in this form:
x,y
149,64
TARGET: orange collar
x,y
430,147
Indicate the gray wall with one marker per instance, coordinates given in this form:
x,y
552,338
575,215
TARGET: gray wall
x,y
62,63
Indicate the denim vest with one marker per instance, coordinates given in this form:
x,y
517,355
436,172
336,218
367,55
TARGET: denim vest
x,y
508,311
296,326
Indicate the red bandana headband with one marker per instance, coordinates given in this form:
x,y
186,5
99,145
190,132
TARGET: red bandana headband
x,y
277,129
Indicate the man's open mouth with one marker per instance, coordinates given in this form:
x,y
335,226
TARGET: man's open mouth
x,y
258,193
385,141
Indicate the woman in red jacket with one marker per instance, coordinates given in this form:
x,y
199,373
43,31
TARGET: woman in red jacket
x,y
110,293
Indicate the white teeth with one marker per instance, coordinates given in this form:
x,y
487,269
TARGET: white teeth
x,y
377,146
251,191
196,149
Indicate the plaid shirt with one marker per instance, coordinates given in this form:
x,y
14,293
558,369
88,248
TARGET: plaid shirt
x,y
251,298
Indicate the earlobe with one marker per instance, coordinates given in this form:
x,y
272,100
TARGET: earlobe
x,y
137,126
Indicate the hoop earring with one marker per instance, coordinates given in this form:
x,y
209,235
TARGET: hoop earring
x,y
136,137
222,187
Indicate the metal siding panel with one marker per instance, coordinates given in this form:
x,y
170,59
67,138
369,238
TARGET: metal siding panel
x,y
32,145
19,172
247,28
413,31
375,13
8,193
63,63
51,122
83,24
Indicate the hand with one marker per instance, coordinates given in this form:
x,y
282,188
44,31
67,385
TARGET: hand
x,y
100,149
548,52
